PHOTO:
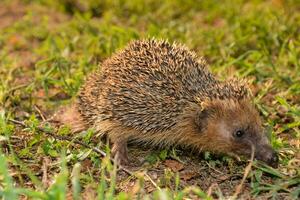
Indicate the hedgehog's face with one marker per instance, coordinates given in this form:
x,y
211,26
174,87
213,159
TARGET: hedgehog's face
x,y
238,129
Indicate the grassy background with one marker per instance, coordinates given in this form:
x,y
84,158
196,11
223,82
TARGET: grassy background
x,y
47,47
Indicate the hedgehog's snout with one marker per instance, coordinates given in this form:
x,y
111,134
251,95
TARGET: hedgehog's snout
x,y
267,155
273,160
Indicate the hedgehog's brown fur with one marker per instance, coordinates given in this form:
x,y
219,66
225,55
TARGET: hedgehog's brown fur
x,y
162,94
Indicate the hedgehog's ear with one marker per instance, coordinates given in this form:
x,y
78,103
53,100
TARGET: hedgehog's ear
x,y
200,120
201,116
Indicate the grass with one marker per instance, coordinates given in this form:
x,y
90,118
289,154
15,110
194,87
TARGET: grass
x,y
48,47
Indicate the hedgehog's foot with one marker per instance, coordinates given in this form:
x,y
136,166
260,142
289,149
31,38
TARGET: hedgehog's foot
x,y
119,151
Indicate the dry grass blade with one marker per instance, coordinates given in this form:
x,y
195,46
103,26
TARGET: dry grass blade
x,y
40,113
239,188
45,172
210,189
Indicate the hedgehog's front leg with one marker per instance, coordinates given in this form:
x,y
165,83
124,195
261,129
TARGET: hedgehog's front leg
x,y
119,151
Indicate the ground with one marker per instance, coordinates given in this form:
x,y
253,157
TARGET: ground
x,y
48,47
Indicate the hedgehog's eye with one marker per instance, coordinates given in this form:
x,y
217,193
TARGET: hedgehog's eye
x,y
239,133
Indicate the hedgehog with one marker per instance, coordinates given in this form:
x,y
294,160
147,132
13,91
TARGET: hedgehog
x,y
162,94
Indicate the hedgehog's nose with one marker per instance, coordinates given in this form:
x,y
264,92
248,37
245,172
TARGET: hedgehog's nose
x,y
273,160
268,155
270,158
